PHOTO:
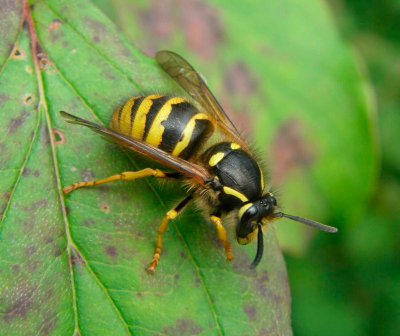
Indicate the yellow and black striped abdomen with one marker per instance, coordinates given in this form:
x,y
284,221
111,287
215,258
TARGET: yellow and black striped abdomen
x,y
169,123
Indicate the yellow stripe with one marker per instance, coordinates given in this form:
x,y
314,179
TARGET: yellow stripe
x,y
139,122
215,159
187,133
237,194
243,209
154,137
125,119
262,179
234,145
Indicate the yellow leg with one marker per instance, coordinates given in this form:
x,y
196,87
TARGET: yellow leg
x,y
222,236
163,226
125,176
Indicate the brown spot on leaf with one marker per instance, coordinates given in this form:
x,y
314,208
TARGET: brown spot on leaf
x,y
58,137
17,122
32,265
76,257
57,251
3,99
184,327
139,295
29,98
202,27
89,222
19,309
111,251
251,312
49,325
55,24
18,53
36,173
29,69
240,80
26,172
289,150
16,268
30,250
43,59
105,208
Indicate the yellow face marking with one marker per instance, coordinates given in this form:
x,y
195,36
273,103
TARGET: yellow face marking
x,y
237,194
243,209
187,133
139,122
216,177
234,145
215,159
250,237
154,137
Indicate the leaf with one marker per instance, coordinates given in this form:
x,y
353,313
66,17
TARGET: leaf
x,y
75,265
288,79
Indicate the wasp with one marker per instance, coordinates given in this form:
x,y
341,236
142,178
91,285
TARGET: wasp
x,y
224,177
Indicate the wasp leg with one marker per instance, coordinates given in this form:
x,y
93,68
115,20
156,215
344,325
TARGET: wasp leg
x,y
222,236
163,226
125,176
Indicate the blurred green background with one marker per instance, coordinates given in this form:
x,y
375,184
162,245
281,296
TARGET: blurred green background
x,y
345,284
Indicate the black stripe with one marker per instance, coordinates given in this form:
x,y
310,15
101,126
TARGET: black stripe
x,y
154,109
183,203
175,125
119,115
202,131
134,109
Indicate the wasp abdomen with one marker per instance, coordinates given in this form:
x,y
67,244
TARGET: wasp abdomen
x,y
169,123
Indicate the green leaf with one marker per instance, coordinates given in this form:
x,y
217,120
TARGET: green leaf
x,y
75,265
288,79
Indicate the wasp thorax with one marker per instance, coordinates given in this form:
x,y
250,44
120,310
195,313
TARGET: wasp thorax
x,y
252,213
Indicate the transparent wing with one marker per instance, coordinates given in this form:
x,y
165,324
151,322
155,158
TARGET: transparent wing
x,y
195,171
188,78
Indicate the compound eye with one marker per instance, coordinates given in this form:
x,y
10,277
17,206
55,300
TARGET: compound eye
x,y
273,199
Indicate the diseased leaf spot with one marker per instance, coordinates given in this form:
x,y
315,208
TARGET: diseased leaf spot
x,y
18,54
111,251
55,24
105,208
203,28
26,172
58,137
36,173
289,150
29,98
184,327
251,312
76,257
30,250
29,69
16,268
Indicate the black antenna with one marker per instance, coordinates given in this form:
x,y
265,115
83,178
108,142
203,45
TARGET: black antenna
x,y
260,247
310,222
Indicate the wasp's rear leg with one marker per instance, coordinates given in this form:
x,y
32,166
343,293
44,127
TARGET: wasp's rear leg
x,y
125,176
163,226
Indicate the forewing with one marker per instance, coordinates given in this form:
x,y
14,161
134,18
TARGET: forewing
x,y
195,171
188,78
